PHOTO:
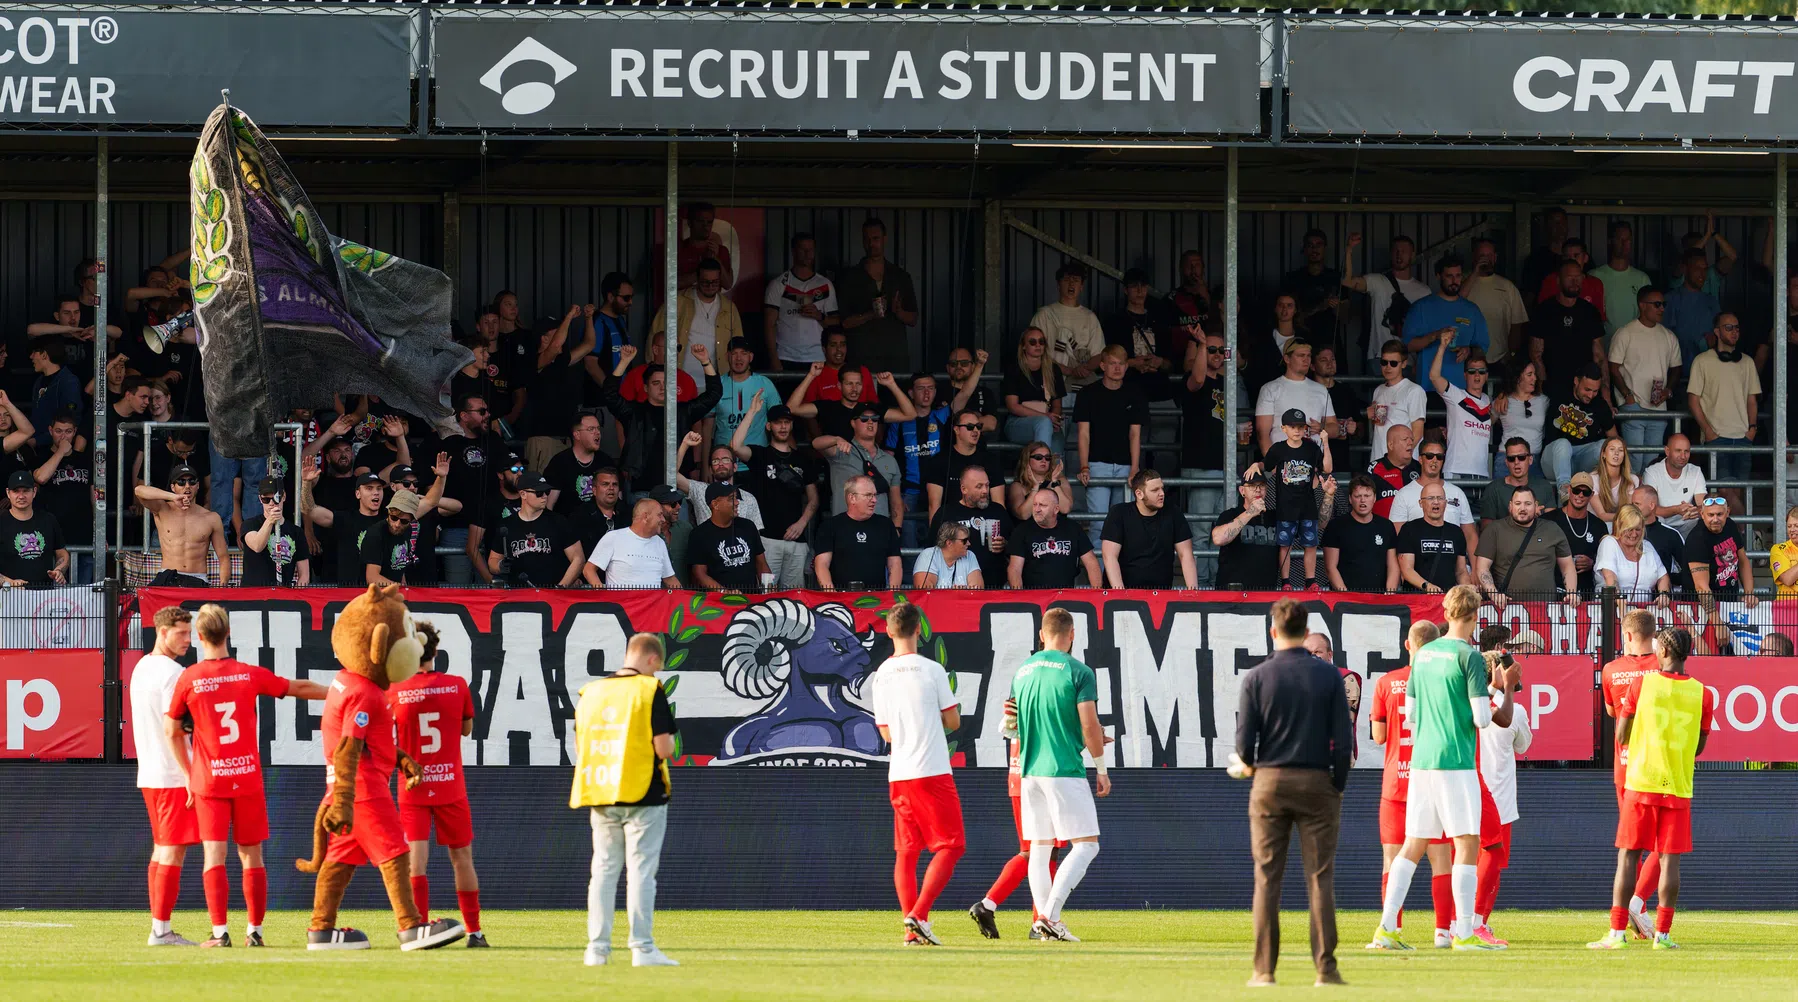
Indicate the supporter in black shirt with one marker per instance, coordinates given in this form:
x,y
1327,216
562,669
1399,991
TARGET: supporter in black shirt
x,y
476,456
391,547
965,366
858,550
990,523
516,359
66,490
1109,418
783,478
1049,552
1569,329
429,528
1432,554
32,551
571,472
1201,399
476,378
273,556
965,448
725,552
1142,329
387,449
504,507
348,526
1142,537
536,548
605,512
1583,528
1248,555
1347,404
1716,553
1359,548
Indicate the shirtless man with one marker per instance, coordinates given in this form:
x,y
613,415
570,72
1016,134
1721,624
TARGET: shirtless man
x,y
186,530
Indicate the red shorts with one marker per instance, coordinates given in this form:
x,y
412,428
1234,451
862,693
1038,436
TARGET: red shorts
x,y
926,814
1017,820
454,823
1500,851
1392,822
1654,828
243,820
172,822
375,835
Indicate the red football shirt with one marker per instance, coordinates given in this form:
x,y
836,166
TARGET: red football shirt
x,y
1389,709
220,695
825,387
1627,705
428,711
1615,682
357,708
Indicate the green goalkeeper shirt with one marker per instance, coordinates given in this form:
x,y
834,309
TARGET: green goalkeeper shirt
x,y
1445,676
1049,689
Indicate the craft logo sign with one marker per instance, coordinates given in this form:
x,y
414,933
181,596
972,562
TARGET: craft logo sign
x,y
114,66
762,73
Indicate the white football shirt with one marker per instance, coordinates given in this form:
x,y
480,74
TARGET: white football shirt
x,y
630,561
1499,748
152,688
910,694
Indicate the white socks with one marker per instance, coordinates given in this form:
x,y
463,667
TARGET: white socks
x,y
220,930
1637,905
252,930
1068,876
1398,884
990,905
161,928
1465,879
1041,883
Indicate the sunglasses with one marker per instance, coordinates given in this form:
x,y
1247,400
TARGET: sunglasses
x,y
960,363
1656,303
1476,372
1587,491
1518,459
515,469
1035,342
1437,456
1041,457
866,419
186,482
533,491
624,298
1708,502
1213,350
410,485
476,410
969,427
271,499
1387,363
401,519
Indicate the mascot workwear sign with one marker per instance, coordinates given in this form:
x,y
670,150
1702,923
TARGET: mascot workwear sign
x,y
838,71
115,65
1526,79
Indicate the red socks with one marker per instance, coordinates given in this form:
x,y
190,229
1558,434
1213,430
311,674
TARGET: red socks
x,y
421,896
1442,895
1620,919
165,888
255,894
1486,892
218,893
470,903
936,877
905,879
1016,869
1663,920
1649,876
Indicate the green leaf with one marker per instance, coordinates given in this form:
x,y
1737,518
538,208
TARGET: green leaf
x,y
867,602
674,661
942,653
698,600
216,269
218,239
710,613
953,683
671,683
689,634
924,627
675,621
899,597
734,599
204,292
678,744
213,206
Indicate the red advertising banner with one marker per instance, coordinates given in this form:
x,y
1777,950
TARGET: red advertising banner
x,y
1559,698
1757,708
52,704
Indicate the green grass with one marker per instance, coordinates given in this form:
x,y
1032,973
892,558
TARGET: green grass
x,y
846,956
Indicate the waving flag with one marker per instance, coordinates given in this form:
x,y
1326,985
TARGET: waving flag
x,y
289,314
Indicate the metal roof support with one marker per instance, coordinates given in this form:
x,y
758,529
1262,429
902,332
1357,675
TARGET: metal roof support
x,y
102,355
1232,305
1782,308
671,434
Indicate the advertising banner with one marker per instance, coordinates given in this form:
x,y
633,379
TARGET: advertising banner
x,y
1757,708
1526,80
765,72
1559,699
111,66
51,704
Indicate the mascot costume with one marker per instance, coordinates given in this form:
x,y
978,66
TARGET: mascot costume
x,y
376,644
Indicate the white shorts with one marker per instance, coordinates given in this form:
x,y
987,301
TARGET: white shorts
x,y
1443,802
1057,807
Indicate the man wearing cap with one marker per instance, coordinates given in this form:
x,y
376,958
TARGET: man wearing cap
x,y
786,478
536,548
740,387
32,551
185,530
676,529
348,525
862,456
273,556
430,522
726,551
1247,540
635,556
473,448
503,508
390,549
1583,528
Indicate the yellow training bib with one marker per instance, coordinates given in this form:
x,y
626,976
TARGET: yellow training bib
x,y
615,748
1663,739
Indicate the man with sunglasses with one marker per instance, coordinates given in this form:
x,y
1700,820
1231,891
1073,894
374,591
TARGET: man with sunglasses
x,y
1206,431
965,449
796,308
504,509
862,456
1396,400
186,530
538,548
965,369
1584,529
1407,505
273,556
1496,497
704,316
391,551
430,520
1724,397
474,450
1716,554
611,332
1645,362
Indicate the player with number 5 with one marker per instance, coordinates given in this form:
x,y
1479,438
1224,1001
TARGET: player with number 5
x,y
432,712
219,696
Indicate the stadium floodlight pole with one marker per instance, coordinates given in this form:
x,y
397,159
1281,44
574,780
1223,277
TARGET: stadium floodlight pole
x,y
1782,308
101,349
1231,194
671,310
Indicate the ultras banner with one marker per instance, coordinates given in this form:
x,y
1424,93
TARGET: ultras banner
x,y
768,72
1524,80
779,680
109,65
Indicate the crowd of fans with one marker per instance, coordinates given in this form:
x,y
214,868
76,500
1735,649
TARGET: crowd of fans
x,y
1514,442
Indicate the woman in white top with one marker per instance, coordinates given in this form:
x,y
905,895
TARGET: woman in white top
x,y
1615,481
1469,414
1625,563
1522,413
949,564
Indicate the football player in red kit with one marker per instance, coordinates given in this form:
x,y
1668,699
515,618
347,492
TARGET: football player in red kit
x,y
221,696
432,711
1638,659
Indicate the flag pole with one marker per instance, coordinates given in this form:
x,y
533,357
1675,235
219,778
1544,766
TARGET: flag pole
x,y
671,435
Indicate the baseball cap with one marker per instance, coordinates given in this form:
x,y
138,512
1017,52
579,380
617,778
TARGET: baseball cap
x,y
739,342
715,491
20,479
1293,416
402,473
270,487
183,470
780,412
861,409
534,483
1254,477
369,478
1582,479
404,501
513,462
664,494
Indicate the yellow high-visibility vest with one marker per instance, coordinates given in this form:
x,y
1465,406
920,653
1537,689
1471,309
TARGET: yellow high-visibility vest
x,y
1663,739
615,747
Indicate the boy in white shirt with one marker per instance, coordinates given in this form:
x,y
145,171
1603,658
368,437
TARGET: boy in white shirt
x,y
1398,400
173,824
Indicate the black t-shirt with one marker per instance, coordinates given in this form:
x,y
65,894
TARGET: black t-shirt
x,y
838,420
858,550
1251,561
1722,552
398,557
985,400
1051,556
728,553
70,497
1583,535
1347,404
1145,543
944,469
1670,546
515,365
473,476
1577,422
590,524
1110,414
987,524
275,564
566,473
1434,549
556,391
1567,333
350,527
778,481
1362,560
1026,387
1309,291
533,554
28,546
1202,424
1292,470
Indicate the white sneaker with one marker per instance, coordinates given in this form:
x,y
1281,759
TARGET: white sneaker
x,y
652,958
921,930
595,957
1444,940
170,938
1054,931
1643,926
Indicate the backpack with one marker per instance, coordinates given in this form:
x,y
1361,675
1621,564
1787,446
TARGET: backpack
x,y
1397,309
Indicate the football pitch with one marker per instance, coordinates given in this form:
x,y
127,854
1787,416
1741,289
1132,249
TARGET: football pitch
x,y
848,956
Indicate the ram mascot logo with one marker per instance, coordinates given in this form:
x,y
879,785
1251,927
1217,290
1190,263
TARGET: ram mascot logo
x,y
812,663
